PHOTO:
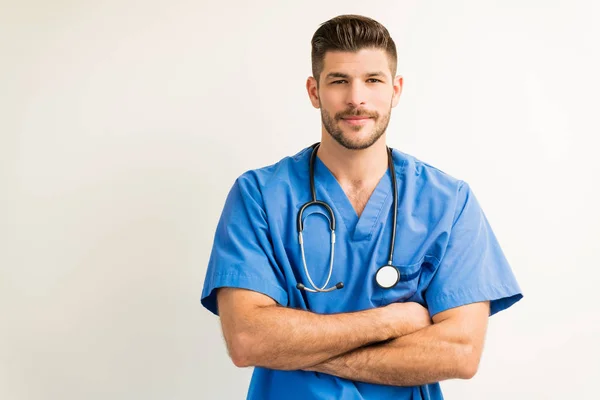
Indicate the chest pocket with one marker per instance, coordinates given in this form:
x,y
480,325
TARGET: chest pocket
x,y
403,290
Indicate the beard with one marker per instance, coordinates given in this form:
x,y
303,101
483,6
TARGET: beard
x,y
332,126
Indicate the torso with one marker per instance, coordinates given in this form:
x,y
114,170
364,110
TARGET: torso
x,y
361,245
359,197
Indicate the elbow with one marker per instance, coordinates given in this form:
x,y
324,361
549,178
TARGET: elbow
x,y
240,347
468,361
241,362
468,371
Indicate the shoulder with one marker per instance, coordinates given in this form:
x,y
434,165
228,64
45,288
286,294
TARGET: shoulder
x,y
426,174
256,182
428,186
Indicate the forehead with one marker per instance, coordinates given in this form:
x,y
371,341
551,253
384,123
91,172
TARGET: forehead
x,y
356,63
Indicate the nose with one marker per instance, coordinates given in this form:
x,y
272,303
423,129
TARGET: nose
x,y
356,95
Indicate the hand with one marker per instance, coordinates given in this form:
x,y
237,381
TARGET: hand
x,y
406,318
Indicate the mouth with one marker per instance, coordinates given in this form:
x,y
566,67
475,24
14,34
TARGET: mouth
x,y
356,120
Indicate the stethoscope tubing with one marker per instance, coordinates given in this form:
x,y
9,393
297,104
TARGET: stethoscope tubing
x,y
331,218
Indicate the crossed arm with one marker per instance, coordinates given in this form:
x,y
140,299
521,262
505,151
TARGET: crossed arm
x,y
393,345
449,348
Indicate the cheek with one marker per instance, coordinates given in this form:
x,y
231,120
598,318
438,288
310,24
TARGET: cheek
x,y
330,107
383,105
328,100
383,99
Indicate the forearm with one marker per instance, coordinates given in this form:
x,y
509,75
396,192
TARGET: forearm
x,y
432,354
289,339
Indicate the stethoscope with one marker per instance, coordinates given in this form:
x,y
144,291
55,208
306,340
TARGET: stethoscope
x,y
387,276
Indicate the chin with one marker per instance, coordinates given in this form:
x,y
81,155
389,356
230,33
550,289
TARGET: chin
x,y
354,143
359,137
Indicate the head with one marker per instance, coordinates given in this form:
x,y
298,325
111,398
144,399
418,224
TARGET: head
x,y
354,81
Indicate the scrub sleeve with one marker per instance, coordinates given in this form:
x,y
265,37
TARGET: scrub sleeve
x,y
242,254
473,268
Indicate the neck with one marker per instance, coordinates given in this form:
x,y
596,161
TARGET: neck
x,y
356,168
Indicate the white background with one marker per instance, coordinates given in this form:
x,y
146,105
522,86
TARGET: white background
x,y
123,125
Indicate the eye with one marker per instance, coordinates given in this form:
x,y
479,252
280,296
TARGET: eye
x,y
374,79
339,81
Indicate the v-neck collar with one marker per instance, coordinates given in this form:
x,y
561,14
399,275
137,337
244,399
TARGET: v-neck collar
x,y
358,228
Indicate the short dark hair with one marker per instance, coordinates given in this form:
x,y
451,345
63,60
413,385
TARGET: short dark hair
x,y
350,33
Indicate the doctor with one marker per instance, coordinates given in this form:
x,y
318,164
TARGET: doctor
x,y
311,313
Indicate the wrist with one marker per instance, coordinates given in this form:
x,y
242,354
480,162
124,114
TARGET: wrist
x,y
387,325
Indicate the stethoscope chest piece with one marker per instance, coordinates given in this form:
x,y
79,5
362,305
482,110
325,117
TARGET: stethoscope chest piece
x,y
387,276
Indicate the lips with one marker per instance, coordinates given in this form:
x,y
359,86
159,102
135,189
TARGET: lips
x,y
356,121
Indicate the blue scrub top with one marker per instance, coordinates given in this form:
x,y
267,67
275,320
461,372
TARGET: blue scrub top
x,y
443,243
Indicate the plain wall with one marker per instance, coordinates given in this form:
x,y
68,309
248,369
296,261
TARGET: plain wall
x,y
123,125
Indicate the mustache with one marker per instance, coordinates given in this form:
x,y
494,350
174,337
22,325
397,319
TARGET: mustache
x,y
356,113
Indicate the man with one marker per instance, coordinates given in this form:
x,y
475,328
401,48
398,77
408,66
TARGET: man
x,y
366,335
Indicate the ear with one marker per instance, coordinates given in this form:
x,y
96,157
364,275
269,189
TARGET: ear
x,y
398,83
313,91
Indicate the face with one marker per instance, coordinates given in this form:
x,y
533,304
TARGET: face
x,y
355,94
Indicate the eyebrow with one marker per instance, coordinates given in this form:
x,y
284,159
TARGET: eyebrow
x,y
346,76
